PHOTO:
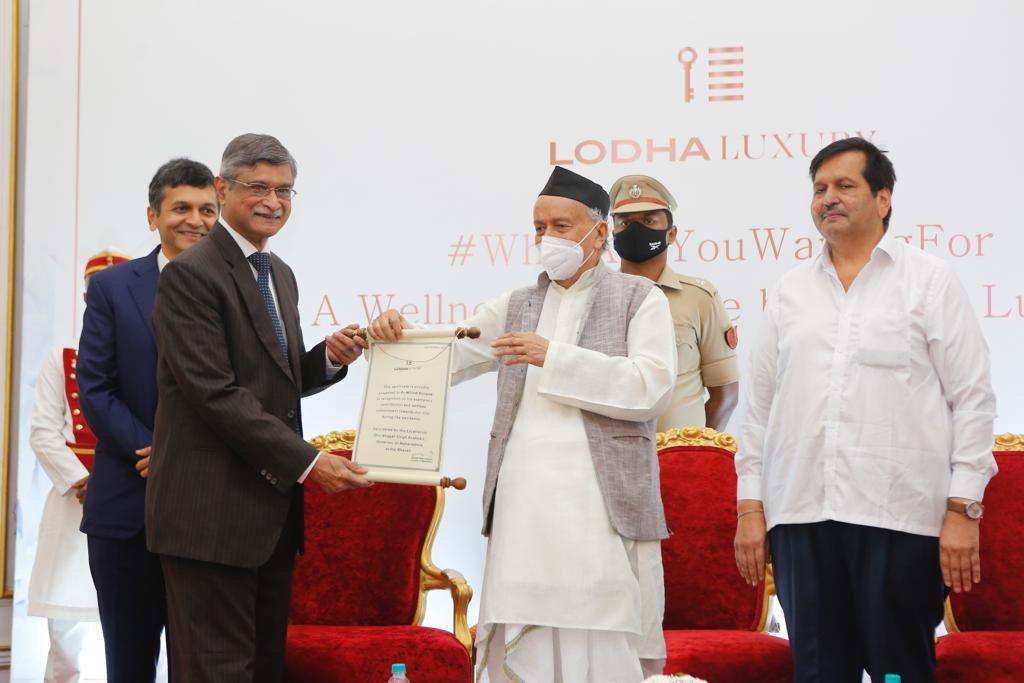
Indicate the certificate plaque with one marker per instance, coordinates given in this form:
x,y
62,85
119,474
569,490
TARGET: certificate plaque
x,y
400,438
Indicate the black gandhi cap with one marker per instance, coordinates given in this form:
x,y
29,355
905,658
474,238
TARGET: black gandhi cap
x,y
565,183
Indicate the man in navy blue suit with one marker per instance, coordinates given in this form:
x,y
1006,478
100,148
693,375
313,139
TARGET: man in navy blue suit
x,y
117,379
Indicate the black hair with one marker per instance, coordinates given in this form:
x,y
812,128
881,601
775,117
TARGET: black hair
x,y
177,172
878,170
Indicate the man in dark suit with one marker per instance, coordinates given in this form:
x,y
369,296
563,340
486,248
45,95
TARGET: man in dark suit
x,y
116,372
224,502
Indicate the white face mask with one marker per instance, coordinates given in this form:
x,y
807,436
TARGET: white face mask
x,y
561,258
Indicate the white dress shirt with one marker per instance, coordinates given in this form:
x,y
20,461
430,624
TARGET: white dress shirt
x,y
248,249
869,406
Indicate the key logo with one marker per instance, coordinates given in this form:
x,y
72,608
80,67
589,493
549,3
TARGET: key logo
x,y
721,73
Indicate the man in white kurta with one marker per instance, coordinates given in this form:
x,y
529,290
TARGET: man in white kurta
x,y
60,586
554,559
566,597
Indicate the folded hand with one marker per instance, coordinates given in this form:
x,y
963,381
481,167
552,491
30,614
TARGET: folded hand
x,y
521,347
142,466
79,487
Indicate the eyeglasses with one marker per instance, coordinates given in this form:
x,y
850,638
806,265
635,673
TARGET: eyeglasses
x,y
285,194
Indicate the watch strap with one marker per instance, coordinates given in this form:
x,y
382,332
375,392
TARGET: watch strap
x,y
961,507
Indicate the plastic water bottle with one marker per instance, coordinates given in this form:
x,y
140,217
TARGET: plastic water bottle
x,y
893,678
398,674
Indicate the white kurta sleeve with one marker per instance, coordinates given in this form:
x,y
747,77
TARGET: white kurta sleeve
x,y
759,394
961,360
46,426
636,387
474,357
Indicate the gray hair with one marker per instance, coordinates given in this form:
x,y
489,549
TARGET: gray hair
x,y
249,149
597,215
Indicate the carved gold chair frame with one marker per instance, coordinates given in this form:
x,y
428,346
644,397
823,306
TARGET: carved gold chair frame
x,y
1002,442
706,436
431,577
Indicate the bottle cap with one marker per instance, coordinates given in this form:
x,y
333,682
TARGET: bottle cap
x,y
893,678
400,669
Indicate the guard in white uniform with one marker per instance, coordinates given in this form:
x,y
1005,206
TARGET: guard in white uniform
x,y
60,588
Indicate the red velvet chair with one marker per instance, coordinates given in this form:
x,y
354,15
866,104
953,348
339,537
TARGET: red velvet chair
x,y
986,626
714,622
359,591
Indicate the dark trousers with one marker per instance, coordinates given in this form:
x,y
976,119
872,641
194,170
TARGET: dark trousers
x,y
858,598
133,606
229,624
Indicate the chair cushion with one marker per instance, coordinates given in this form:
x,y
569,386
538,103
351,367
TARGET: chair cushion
x,y
703,588
997,603
990,656
364,654
362,559
725,656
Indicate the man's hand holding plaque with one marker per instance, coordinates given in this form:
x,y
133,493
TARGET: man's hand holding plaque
x,y
388,326
335,473
344,347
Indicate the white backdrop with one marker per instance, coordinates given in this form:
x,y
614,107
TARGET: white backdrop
x,y
423,132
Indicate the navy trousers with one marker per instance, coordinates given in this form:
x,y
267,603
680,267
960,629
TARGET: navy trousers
x,y
133,606
858,598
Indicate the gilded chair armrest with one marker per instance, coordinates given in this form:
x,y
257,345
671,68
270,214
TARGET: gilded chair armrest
x,y
949,619
455,583
764,620
432,578
461,593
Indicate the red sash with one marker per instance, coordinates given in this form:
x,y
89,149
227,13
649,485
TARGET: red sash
x,y
84,444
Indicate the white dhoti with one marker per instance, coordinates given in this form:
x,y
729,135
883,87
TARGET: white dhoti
x,y
539,653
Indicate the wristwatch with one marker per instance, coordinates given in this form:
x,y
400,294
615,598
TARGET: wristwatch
x,y
971,510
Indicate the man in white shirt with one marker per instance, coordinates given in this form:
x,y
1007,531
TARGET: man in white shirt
x,y
867,444
572,504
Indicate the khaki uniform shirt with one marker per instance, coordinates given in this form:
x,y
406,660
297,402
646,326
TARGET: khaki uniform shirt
x,y
705,358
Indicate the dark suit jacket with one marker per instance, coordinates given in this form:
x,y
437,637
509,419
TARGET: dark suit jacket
x,y
117,382
227,448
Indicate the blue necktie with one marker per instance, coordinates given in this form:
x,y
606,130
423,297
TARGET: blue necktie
x,y
261,262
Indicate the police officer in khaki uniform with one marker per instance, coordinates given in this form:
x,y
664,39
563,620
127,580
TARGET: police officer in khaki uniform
x,y
705,338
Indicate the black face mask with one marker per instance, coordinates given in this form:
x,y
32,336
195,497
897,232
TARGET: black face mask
x,y
638,243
